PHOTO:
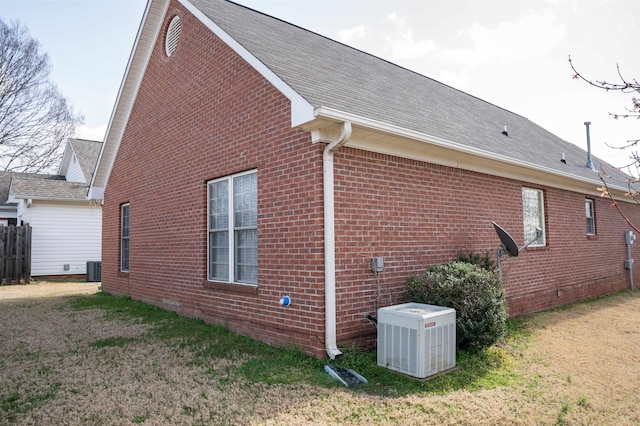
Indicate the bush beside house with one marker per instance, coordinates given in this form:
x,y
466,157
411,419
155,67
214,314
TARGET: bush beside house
x,y
475,293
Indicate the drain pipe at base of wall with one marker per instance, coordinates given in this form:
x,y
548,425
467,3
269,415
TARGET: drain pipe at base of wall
x,y
330,241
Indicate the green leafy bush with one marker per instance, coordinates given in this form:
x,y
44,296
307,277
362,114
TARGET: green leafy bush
x,y
475,293
484,260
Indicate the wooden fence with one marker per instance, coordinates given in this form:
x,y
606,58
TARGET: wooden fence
x,y
15,254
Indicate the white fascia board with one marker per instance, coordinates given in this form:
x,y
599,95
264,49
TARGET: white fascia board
x,y
66,158
10,194
301,110
140,54
341,116
17,198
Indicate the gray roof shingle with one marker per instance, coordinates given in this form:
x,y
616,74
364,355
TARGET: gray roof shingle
x,y
52,187
5,183
87,153
7,178
332,75
48,187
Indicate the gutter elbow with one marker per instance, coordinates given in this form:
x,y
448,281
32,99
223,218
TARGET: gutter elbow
x,y
345,135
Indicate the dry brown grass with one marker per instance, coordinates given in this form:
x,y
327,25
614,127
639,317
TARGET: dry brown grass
x,y
64,366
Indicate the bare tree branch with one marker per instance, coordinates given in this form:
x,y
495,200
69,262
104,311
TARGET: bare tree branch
x,y
35,119
604,191
624,86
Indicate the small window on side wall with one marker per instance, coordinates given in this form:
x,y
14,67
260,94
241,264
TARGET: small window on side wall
x,y
591,221
533,215
124,238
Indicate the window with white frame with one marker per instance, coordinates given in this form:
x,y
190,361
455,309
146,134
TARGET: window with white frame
x,y
533,215
233,228
124,238
589,210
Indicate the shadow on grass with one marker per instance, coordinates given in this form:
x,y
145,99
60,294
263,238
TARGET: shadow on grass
x,y
263,363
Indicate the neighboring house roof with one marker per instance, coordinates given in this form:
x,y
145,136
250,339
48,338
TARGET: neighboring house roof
x,y
47,187
6,179
5,183
86,152
328,82
35,186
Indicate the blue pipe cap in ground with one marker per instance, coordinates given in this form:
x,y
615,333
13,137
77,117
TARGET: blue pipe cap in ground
x,y
285,301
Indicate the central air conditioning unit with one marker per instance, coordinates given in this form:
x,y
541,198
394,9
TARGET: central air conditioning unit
x,y
94,272
417,339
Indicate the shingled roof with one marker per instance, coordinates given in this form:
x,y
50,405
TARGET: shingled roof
x,y
5,183
390,107
87,153
38,186
47,187
329,74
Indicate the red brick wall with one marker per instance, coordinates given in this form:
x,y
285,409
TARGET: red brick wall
x,y
204,113
201,114
416,214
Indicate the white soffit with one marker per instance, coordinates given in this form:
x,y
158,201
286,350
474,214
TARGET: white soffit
x,y
398,142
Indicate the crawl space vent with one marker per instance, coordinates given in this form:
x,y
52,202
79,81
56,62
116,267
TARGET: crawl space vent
x,y
173,35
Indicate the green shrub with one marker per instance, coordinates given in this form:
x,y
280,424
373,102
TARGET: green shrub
x,y
475,293
484,260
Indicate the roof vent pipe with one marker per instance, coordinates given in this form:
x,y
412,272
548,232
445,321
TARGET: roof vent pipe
x,y
589,162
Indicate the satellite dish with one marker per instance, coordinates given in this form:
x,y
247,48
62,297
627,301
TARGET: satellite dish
x,y
509,245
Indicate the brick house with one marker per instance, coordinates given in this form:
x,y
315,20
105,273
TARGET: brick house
x,y
248,159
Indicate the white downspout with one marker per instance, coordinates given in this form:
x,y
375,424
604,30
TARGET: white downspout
x,y
330,241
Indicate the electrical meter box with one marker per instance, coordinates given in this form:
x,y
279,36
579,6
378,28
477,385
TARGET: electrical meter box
x,y
417,339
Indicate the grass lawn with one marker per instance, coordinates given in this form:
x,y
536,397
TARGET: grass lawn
x,y
110,360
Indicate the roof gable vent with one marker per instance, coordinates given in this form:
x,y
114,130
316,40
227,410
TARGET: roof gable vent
x,y
173,35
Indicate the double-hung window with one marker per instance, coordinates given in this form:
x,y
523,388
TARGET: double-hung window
x,y
533,215
124,238
233,229
591,223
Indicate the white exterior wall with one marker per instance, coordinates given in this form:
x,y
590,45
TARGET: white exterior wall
x,y
69,233
74,171
9,213
22,212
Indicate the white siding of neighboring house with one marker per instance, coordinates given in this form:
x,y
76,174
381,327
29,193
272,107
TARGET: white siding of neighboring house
x,y
22,214
74,172
69,233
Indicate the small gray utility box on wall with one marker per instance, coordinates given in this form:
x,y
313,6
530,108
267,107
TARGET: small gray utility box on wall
x,y
417,339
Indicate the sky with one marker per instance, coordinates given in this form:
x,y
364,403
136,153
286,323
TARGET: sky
x,y
512,53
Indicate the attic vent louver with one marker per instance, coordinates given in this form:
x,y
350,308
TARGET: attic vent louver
x,y
173,35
